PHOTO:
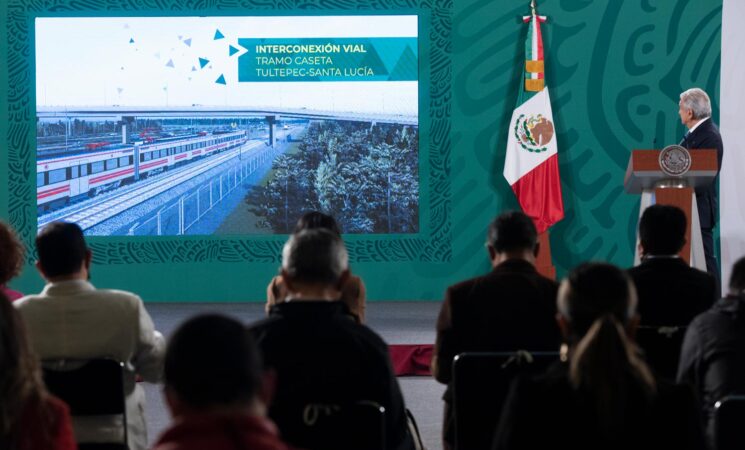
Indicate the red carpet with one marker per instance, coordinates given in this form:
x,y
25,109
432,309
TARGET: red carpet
x,y
411,359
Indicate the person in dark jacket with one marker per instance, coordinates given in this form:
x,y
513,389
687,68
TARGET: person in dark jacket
x,y
671,293
603,396
713,354
694,109
216,389
322,357
510,308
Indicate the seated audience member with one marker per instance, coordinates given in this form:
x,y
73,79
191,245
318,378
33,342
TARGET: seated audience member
x,y
511,308
353,290
319,353
72,320
216,390
713,354
604,396
30,418
11,260
671,293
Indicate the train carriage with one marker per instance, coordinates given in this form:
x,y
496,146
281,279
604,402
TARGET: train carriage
x,y
62,177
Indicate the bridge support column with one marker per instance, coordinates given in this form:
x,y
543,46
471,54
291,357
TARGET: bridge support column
x,y
136,160
272,121
127,122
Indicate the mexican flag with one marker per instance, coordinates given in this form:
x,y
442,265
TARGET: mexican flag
x,y
531,164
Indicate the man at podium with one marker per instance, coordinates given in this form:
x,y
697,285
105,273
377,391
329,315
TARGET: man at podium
x,y
695,113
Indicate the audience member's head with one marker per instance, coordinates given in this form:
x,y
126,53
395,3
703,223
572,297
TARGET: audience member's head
x,y
314,261
212,364
314,219
20,376
662,230
512,235
737,278
597,308
62,252
12,254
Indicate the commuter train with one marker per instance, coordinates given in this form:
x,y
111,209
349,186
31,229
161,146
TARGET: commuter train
x,y
62,177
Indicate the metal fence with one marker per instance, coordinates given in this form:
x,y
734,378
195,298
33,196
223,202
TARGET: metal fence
x,y
177,217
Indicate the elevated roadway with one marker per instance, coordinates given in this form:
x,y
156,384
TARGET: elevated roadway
x,y
120,113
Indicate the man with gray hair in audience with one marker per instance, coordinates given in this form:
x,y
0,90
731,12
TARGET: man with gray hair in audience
x,y
695,114
322,357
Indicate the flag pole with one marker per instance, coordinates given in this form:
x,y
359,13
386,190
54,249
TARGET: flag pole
x,y
544,261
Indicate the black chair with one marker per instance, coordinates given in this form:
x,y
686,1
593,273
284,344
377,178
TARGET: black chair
x,y
729,418
661,346
481,382
320,426
90,388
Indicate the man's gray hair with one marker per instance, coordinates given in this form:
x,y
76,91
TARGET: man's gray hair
x,y
697,101
315,256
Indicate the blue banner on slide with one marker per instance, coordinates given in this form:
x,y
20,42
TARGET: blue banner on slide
x,y
328,59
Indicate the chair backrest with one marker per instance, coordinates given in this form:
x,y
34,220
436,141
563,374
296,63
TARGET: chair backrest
x,y
661,347
90,388
481,382
318,426
729,418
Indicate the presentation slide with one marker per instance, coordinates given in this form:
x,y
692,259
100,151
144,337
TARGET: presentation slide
x,y
166,126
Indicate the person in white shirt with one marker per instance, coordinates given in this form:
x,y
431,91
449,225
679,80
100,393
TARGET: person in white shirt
x,y
72,320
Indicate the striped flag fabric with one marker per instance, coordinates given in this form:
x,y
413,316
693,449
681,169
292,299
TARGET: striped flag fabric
x,y
531,165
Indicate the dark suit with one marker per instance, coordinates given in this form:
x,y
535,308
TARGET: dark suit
x,y
511,308
321,355
713,355
671,293
706,135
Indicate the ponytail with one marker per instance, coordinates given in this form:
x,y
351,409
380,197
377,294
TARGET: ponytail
x,y
605,365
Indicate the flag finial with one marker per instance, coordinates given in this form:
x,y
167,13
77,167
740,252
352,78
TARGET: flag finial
x,y
532,6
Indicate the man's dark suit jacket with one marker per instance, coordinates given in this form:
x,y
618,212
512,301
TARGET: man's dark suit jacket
x,y
671,293
706,135
511,308
322,356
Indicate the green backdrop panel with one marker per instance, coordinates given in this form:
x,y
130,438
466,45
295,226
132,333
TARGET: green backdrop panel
x,y
614,70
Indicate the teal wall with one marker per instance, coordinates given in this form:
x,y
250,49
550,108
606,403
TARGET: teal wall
x,y
614,70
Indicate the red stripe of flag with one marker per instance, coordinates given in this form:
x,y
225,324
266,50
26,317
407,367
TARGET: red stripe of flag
x,y
539,194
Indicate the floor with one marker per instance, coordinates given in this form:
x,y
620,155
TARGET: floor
x,y
396,322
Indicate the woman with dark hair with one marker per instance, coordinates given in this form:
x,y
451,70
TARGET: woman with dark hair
x,y
30,418
11,259
602,395
352,290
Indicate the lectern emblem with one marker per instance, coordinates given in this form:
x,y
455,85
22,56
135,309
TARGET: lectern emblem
x,y
675,160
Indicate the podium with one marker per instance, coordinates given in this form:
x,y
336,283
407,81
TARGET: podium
x,y
647,174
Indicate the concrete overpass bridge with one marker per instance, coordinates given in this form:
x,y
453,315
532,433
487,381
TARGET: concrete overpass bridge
x,y
128,114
